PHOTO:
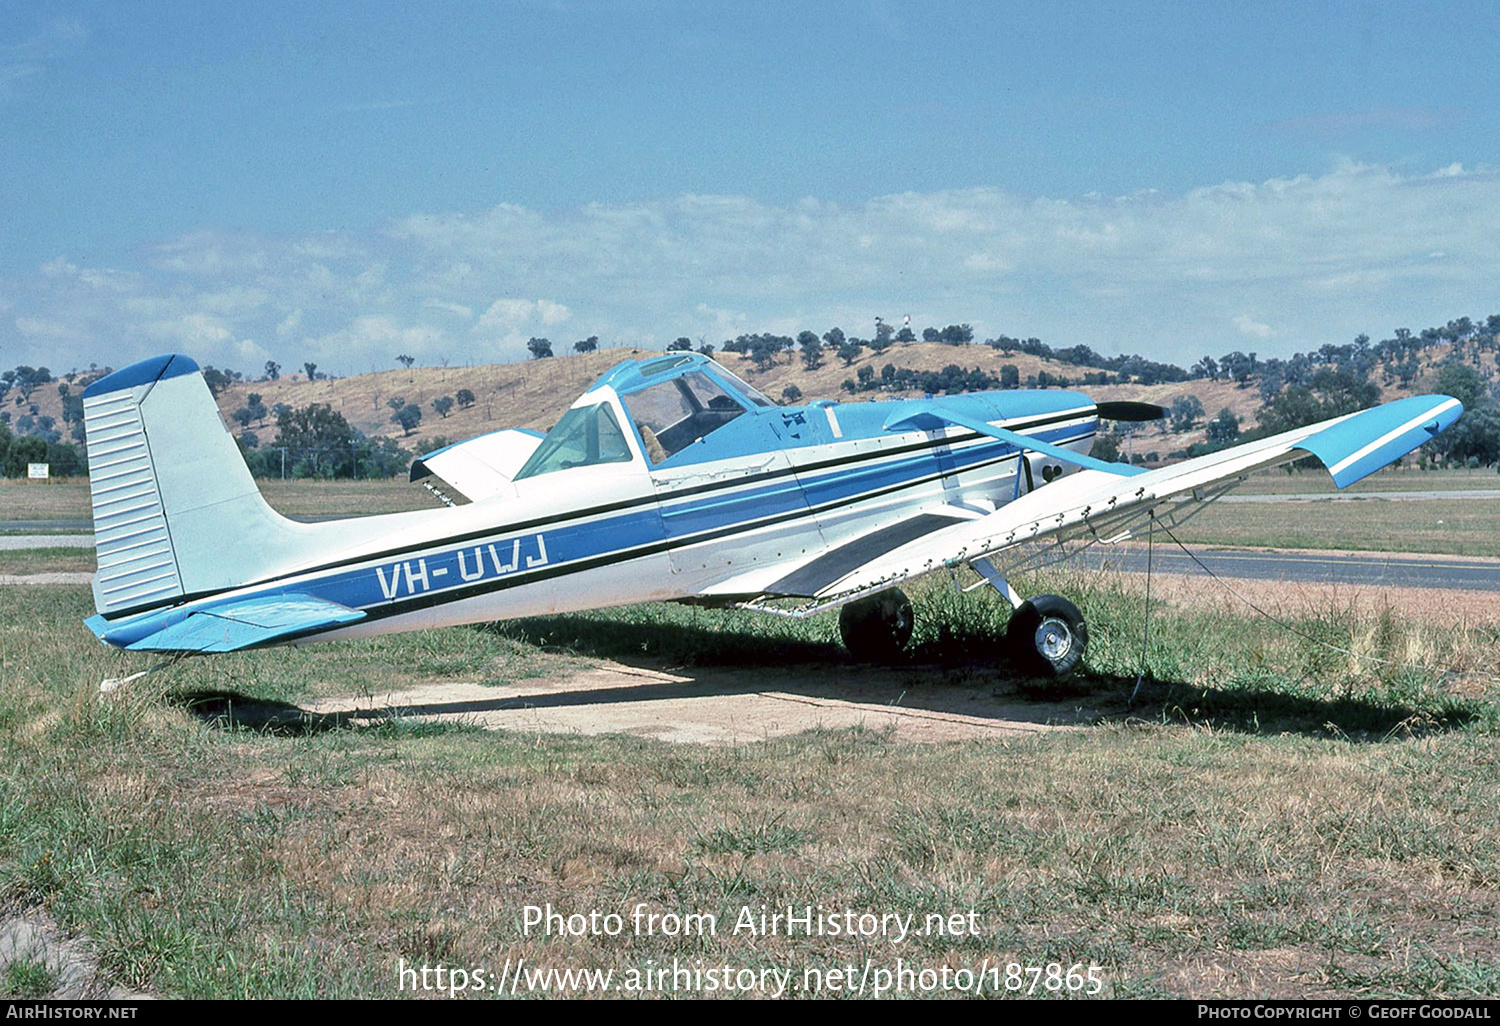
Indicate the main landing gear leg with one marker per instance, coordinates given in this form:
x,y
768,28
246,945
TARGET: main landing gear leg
x,y
1046,634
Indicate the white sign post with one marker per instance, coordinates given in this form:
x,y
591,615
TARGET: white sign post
x,y
38,471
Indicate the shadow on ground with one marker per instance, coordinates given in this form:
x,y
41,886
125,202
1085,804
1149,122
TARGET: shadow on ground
x,y
231,710
942,693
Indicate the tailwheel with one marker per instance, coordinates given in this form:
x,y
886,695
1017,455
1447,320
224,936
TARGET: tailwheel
x,y
1046,636
876,629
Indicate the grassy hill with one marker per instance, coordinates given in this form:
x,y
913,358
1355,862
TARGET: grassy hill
x,y
534,393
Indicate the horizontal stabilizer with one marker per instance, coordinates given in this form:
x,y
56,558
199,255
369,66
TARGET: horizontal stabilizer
x,y
480,467
243,624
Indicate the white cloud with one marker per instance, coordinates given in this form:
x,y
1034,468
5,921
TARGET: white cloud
x,y
508,315
1168,276
505,315
193,332
552,313
1253,328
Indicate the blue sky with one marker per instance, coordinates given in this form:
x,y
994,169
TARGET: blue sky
x,y
343,182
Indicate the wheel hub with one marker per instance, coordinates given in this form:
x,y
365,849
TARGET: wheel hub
x,y
1053,638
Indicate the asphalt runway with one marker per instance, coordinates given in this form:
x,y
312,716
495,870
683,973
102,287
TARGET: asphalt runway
x,y
1472,493
1392,570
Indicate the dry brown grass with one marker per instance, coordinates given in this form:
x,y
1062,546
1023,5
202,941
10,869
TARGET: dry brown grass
x,y
1236,835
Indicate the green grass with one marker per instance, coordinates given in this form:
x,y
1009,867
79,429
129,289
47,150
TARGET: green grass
x,y
44,561
1315,481
27,977
69,500
1303,822
1453,527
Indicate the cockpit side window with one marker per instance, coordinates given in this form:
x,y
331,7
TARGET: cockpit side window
x,y
672,415
586,435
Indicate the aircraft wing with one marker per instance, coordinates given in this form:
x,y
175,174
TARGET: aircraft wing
x,y
1100,504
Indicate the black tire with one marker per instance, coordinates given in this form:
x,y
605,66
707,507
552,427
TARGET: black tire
x,y
1047,636
877,629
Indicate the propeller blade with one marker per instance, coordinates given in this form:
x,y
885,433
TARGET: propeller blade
x,y
1131,411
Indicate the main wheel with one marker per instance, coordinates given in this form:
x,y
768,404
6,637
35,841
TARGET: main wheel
x,y
876,629
1046,636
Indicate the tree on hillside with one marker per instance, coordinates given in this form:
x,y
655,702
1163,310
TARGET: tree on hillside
x,y
406,360
765,348
1475,439
442,404
1224,429
812,350
586,345
465,398
312,370
1463,383
681,344
218,380
408,416
318,439
1187,410
1106,448
255,403
273,370
1332,393
540,348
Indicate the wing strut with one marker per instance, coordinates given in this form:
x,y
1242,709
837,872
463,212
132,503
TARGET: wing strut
x,y
934,412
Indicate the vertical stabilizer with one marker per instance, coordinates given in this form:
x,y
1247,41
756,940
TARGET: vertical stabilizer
x,y
176,511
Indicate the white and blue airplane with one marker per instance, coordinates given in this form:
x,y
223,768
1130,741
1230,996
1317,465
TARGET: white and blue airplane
x,y
669,479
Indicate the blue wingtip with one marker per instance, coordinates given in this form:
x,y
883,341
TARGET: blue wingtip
x,y
1362,444
157,368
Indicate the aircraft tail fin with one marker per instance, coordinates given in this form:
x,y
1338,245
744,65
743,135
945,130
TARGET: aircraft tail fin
x,y
176,512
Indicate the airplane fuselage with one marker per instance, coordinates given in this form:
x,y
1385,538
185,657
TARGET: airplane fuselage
x,y
799,485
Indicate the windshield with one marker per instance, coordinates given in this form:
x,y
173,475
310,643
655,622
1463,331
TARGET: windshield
x,y
674,414
585,436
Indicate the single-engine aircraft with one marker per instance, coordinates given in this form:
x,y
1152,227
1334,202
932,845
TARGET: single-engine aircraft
x,y
669,479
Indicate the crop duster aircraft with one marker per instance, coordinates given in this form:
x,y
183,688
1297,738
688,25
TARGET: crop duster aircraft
x,y
669,479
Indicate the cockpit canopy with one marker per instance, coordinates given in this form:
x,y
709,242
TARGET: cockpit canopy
x,y
673,401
